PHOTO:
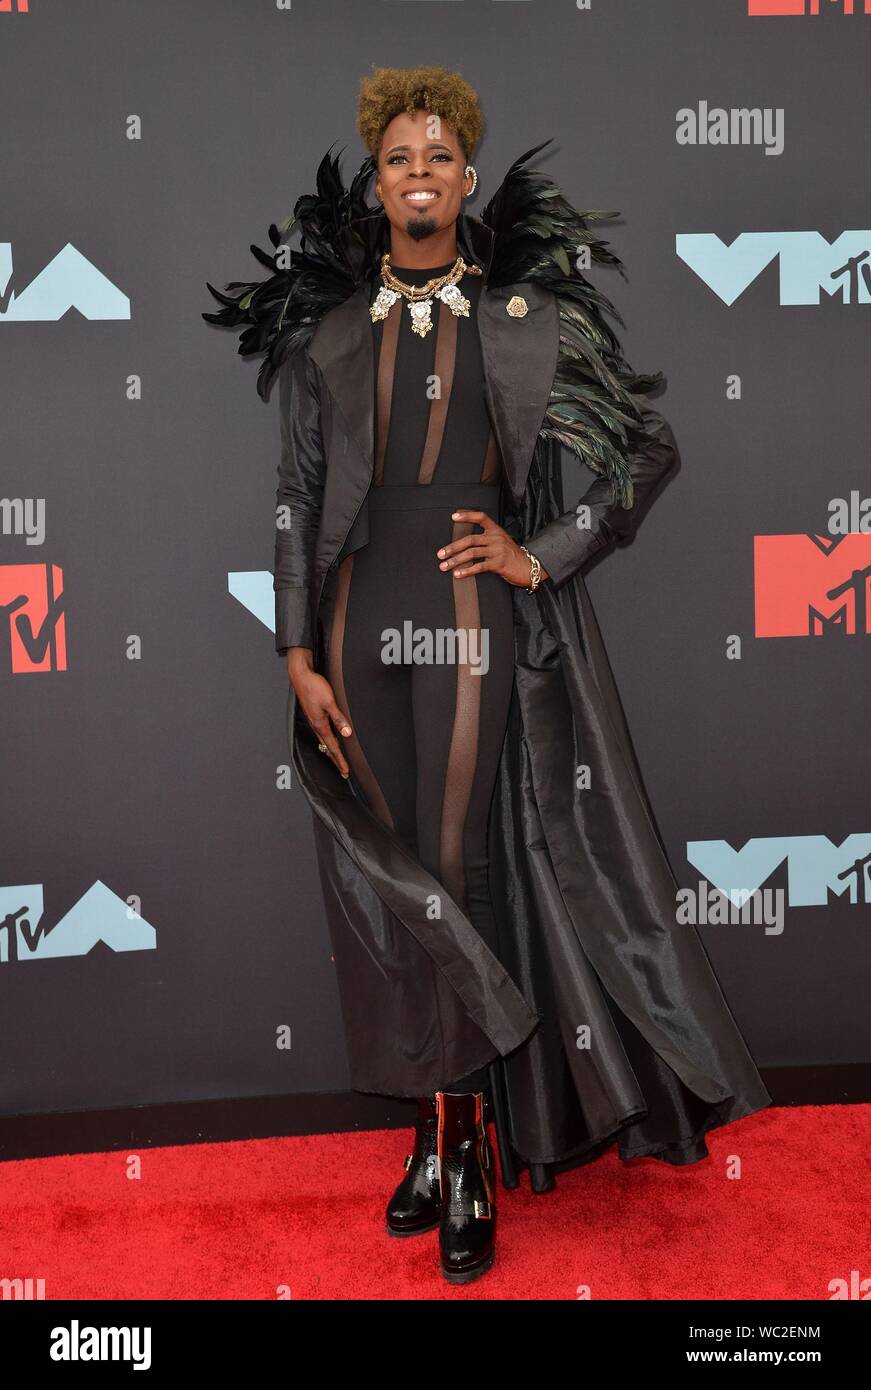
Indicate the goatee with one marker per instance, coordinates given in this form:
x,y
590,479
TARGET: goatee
x,y
419,227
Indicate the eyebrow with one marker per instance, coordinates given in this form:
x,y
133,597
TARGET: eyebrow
x,y
431,145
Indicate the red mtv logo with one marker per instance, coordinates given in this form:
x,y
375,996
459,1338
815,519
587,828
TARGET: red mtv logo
x,y
759,7
31,618
7,6
808,586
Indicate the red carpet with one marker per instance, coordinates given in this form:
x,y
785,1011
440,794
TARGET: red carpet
x,y
238,1221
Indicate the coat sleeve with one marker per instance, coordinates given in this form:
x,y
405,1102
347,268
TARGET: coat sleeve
x,y
564,546
301,473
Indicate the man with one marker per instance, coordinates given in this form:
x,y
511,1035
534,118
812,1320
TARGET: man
x,y
596,1016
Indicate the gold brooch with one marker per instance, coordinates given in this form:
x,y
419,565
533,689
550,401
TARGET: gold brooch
x,y
516,306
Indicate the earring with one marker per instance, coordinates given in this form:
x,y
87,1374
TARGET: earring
x,y
470,169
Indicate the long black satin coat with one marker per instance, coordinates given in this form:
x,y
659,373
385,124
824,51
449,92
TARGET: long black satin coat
x,y
582,889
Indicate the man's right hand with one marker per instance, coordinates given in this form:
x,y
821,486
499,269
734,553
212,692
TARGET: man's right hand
x,y
315,695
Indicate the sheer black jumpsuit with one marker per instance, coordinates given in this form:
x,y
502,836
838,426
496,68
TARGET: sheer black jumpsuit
x,y
428,732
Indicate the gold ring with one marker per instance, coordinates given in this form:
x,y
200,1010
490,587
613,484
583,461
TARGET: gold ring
x,y
322,748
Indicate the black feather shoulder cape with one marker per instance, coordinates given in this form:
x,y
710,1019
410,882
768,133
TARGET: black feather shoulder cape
x,y
594,408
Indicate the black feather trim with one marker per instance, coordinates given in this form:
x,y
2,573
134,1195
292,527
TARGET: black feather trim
x,y
594,408
279,314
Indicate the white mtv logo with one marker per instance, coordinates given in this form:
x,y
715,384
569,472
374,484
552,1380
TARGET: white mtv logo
x,y
99,916
69,281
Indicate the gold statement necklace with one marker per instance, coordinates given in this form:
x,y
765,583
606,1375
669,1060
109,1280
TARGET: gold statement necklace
x,y
420,297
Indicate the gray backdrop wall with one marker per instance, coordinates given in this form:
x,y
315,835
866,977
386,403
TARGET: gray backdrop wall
x,y
144,724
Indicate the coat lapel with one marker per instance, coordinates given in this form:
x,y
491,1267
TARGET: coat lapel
x,y
342,348
520,360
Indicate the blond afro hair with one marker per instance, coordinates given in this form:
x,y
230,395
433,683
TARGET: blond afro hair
x,y
390,91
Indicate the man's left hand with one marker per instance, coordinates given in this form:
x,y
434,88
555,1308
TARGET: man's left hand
x,y
490,549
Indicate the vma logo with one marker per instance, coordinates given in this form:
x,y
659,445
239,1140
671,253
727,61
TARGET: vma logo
x,y
32,624
100,916
69,281
790,7
818,871
16,6
807,263
812,586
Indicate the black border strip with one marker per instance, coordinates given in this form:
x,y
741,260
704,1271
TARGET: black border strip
x,y
328,1112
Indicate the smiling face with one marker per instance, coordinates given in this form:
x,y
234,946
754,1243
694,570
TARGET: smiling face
x,y
421,180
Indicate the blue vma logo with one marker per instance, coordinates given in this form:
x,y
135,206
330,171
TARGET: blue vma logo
x,y
69,281
99,917
817,870
807,264
253,589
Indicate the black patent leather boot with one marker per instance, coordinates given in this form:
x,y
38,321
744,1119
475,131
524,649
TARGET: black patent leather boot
x,y
415,1206
467,1229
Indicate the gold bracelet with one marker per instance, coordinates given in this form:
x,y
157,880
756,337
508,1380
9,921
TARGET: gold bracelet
x,y
535,571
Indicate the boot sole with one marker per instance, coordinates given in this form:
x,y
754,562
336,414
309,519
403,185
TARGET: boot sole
x,y
414,1230
465,1276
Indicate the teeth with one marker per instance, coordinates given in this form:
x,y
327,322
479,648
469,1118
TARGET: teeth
x,y
420,197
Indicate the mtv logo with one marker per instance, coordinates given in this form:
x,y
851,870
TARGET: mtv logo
x,y
32,618
69,281
802,7
816,867
812,586
99,916
807,264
